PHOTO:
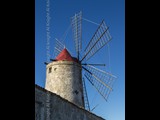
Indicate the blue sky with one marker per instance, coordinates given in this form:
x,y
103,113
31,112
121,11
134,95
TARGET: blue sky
x,y
113,12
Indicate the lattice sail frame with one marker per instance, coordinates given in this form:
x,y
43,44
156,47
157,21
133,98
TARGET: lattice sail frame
x,y
76,22
100,79
100,38
86,101
58,47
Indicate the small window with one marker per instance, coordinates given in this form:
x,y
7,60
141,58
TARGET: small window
x,y
50,69
55,69
76,92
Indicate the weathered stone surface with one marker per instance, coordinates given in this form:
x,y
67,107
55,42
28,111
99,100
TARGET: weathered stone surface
x,y
65,79
49,106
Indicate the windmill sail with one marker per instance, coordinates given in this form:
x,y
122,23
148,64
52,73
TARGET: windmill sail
x,y
76,22
99,39
86,102
100,79
58,47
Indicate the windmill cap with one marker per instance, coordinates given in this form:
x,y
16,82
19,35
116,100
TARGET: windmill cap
x,y
65,55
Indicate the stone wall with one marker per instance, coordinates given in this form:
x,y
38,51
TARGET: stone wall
x,y
49,106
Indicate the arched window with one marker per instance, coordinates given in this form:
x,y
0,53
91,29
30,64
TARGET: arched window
x,y
50,70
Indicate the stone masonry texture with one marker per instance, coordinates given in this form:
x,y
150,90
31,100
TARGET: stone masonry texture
x,y
49,106
65,79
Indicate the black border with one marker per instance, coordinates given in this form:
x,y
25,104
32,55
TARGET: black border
x,y
18,62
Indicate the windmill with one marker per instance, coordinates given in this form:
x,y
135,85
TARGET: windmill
x,y
100,79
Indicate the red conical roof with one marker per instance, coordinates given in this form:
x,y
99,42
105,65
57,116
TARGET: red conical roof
x,y
64,55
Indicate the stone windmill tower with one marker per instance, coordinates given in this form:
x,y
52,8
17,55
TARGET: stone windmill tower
x,y
64,77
